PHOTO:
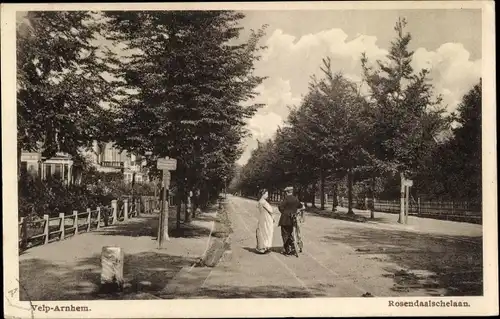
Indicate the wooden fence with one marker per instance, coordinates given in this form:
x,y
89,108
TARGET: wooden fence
x,y
446,210
49,229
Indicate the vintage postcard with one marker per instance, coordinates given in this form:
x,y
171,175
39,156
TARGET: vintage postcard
x,y
276,159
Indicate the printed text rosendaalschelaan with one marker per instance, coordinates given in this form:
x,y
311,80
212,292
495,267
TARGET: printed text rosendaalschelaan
x,y
428,303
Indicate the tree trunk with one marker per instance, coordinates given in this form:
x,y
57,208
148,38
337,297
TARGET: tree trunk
x,y
349,192
372,205
402,209
188,208
19,153
196,201
179,199
322,188
313,195
334,199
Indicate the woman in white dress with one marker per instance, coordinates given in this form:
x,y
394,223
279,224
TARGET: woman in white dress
x,y
265,225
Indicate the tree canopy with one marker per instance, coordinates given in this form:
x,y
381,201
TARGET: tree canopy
x,y
338,135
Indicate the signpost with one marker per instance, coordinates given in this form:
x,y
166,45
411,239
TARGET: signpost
x,y
167,165
405,199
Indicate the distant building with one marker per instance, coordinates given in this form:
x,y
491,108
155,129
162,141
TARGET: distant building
x,y
104,156
108,158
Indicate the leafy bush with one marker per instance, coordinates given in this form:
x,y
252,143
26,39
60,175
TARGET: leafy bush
x,y
38,197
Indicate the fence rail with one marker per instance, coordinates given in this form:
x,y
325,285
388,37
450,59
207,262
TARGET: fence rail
x,y
49,229
447,210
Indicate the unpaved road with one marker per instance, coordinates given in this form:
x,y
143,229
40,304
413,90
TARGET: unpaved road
x,y
347,259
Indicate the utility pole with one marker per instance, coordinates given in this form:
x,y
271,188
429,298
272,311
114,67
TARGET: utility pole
x,y
167,165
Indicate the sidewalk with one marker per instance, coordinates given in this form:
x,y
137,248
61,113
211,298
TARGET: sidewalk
x,y
415,224
70,269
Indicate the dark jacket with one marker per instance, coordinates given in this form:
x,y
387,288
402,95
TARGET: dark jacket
x,y
287,208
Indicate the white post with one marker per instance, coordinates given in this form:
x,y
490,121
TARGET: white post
x,y
62,228
98,217
125,209
75,216
89,219
112,259
114,211
46,228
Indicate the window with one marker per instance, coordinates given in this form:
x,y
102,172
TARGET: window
x,y
66,171
48,170
57,171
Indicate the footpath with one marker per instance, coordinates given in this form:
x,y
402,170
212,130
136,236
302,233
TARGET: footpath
x,y
415,224
70,269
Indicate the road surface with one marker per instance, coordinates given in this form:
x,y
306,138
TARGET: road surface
x,y
345,259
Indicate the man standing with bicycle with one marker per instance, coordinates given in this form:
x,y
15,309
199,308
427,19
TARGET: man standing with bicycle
x,y
288,208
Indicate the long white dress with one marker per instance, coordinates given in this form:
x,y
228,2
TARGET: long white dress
x,y
265,226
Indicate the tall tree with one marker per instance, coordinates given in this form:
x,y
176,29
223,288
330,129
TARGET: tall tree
x,y
405,114
191,77
61,82
454,169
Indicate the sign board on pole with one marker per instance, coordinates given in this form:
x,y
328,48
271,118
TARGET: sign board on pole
x,y
167,164
166,178
408,182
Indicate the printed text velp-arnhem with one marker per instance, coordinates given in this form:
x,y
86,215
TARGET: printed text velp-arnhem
x,y
428,303
70,308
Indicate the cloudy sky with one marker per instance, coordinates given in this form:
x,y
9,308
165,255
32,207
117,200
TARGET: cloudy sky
x,y
448,42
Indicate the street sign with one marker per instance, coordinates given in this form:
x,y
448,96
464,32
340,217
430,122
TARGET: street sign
x,y
167,164
408,182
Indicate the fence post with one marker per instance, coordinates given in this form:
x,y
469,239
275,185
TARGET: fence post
x,y
89,219
366,203
418,207
62,228
114,211
46,228
98,217
138,206
24,233
125,209
75,221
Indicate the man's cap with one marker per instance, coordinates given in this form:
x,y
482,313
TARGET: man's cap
x,y
289,189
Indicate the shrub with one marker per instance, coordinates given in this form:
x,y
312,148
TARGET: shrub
x,y
37,197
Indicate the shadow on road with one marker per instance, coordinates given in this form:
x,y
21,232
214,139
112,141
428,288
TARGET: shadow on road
x,y
277,249
427,261
148,226
357,218
147,272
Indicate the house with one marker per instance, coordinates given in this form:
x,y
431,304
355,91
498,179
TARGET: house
x,y
61,166
105,157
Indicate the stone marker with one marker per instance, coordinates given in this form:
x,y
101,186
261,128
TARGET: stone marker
x,y
112,269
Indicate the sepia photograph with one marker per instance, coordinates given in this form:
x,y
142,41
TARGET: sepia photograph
x,y
259,155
